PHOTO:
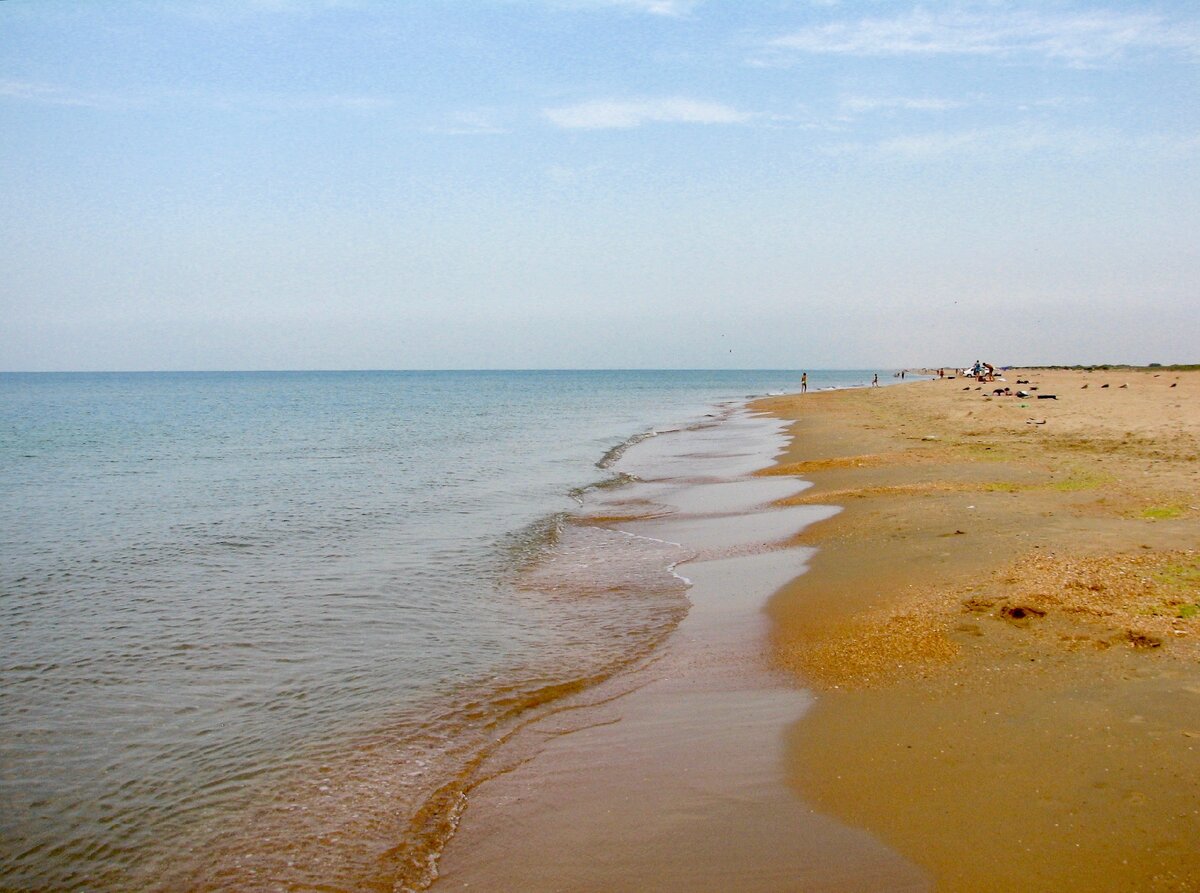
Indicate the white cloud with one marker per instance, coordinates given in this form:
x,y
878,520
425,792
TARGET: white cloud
x,y
602,114
1083,38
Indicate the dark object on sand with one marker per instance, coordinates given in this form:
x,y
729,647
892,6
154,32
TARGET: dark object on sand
x,y
1047,397
1022,393
1021,612
1141,640
1103,385
1083,387
1174,383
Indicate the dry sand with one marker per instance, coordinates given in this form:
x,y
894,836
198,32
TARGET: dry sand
x,y
1003,625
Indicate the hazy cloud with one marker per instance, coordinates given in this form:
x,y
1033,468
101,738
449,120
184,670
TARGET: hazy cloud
x,y
297,102
864,104
989,143
471,122
1169,145
652,7
622,114
1082,38
232,12
53,94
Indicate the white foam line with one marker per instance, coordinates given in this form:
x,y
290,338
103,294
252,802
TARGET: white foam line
x,y
651,539
674,564
687,581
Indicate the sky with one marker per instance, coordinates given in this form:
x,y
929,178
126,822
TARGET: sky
x,y
332,184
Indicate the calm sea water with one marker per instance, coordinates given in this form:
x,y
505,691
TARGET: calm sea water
x,y
255,607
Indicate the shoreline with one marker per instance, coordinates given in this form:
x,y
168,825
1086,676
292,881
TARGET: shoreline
x,y
1001,625
952,503
671,777
334,806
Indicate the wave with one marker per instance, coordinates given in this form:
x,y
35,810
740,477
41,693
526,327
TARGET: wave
x,y
613,455
620,479
523,547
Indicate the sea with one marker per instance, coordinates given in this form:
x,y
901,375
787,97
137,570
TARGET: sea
x,y
263,630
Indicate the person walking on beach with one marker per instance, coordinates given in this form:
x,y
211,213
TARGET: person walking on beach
x,y
803,382
875,381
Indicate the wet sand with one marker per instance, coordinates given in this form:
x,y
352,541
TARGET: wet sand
x,y
1003,625
985,677
671,778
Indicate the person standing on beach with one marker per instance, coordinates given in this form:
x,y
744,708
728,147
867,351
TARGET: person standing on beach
x,y
803,382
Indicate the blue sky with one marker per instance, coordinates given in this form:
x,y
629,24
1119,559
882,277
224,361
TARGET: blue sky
x,y
276,184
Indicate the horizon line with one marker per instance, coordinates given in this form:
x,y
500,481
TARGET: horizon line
x,y
452,369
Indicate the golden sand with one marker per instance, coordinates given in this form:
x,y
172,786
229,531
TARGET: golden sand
x,y
1005,625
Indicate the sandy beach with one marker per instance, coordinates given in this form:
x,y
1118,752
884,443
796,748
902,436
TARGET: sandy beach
x,y
974,668
1002,625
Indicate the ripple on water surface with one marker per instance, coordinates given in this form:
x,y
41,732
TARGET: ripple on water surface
x,y
373,810
260,626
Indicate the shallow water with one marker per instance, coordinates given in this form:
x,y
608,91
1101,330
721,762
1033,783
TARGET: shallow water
x,y
296,609
670,776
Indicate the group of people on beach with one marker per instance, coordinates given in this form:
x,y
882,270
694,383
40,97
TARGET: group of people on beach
x,y
804,381
981,371
984,371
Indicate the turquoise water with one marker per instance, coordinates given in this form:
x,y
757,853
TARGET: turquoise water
x,y
228,597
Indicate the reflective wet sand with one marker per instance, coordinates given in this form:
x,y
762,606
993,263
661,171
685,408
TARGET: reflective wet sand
x,y
676,780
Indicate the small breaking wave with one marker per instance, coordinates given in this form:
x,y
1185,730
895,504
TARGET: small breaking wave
x,y
620,479
613,455
524,546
